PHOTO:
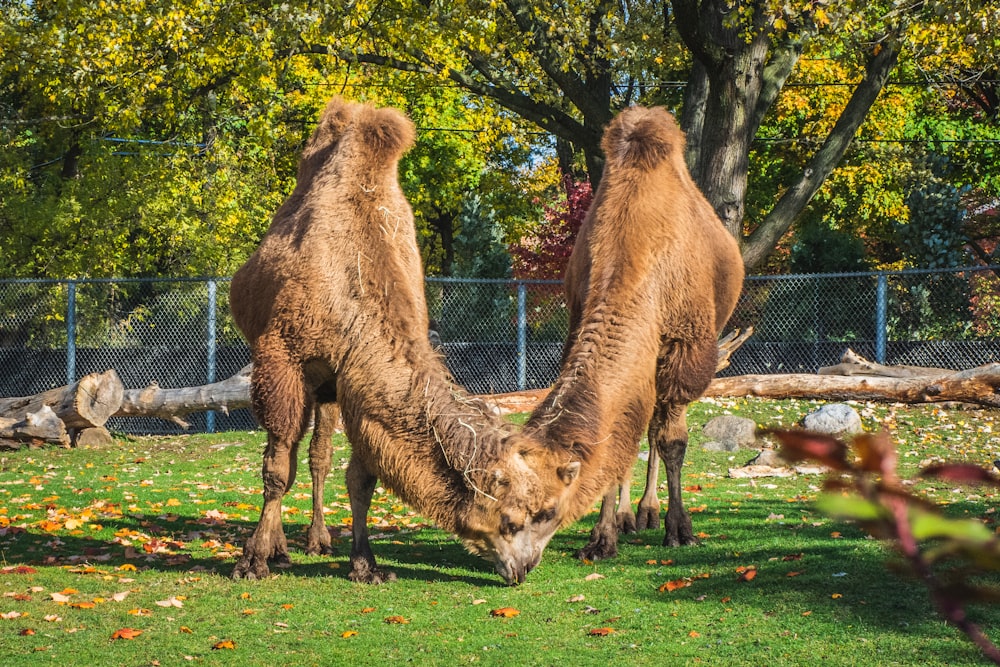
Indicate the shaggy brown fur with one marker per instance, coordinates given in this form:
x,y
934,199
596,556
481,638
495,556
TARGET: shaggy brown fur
x,y
652,279
333,306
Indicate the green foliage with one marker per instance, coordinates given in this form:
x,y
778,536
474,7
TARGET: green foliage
x,y
933,237
821,249
946,554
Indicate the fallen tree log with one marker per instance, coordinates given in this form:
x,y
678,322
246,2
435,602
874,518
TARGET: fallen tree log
x,y
172,404
86,403
36,427
852,363
979,386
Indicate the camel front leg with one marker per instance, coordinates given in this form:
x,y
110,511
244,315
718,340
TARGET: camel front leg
x,y
320,450
268,543
360,488
647,516
668,430
604,537
624,516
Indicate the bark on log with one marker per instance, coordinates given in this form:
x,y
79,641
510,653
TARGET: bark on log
x,y
980,386
41,426
88,402
173,404
852,363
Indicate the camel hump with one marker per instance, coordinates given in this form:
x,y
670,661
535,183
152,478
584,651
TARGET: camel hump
x,y
642,137
386,133
333,121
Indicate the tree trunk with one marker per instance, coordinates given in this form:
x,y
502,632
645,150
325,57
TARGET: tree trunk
x,y
88,402
979,386
171,404
36,427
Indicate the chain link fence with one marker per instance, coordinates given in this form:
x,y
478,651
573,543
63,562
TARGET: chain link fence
x,y
497,335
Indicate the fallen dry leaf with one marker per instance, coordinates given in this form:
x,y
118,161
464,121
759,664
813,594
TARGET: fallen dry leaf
x,y
593,576
367,610
505,612
170,602
126,633
227,644
479,602
27,632
348,633
601,632
576,598
670,586
748,574
396,620
694,634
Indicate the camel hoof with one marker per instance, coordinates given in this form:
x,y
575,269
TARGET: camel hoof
x,y
626,522
371,576
318,542
647,518
251,569
598,550
680,539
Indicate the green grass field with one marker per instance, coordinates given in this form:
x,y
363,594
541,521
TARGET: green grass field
x,y
143,535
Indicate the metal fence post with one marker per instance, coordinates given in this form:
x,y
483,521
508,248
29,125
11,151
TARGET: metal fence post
x,y
210,372
522,336
71,333
881,320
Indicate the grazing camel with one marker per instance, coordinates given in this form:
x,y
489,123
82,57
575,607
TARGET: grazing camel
x,y
652,279
332,304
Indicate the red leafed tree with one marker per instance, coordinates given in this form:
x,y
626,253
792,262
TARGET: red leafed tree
x,y
543,254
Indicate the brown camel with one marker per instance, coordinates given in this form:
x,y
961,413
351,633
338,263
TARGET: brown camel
x,y
652,279
332,303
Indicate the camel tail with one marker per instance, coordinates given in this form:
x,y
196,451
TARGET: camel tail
x,y
642,137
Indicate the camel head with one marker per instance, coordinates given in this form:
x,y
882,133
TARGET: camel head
x,y
514,517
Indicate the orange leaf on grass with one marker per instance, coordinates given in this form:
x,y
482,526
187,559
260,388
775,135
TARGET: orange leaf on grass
x,y
126,633
505,612
396,620
367,610
27,632
694,634
671,586
601,632
224,644
348,633
747,574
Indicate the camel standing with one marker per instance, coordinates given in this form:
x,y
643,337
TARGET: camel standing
x,y
332,304
653,278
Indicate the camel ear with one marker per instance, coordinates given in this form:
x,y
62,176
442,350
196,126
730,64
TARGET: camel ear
x,y
569,472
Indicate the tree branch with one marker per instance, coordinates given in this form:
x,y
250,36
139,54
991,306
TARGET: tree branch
x,y
763,240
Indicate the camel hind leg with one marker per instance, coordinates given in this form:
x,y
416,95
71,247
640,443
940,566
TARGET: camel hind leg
x,y
320,450
282,405
647,516
668,430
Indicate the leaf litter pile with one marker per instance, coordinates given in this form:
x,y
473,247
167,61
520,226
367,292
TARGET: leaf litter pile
x,y
133,544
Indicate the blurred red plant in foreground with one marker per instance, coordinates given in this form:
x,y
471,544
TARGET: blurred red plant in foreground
x,y
943,553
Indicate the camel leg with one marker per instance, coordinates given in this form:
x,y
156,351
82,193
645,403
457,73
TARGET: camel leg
x,y
648,512
604,537
285,423
360,487
668,430
625,517
320,450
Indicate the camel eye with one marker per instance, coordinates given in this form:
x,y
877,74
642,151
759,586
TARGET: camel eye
x,y
545,515
508,526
